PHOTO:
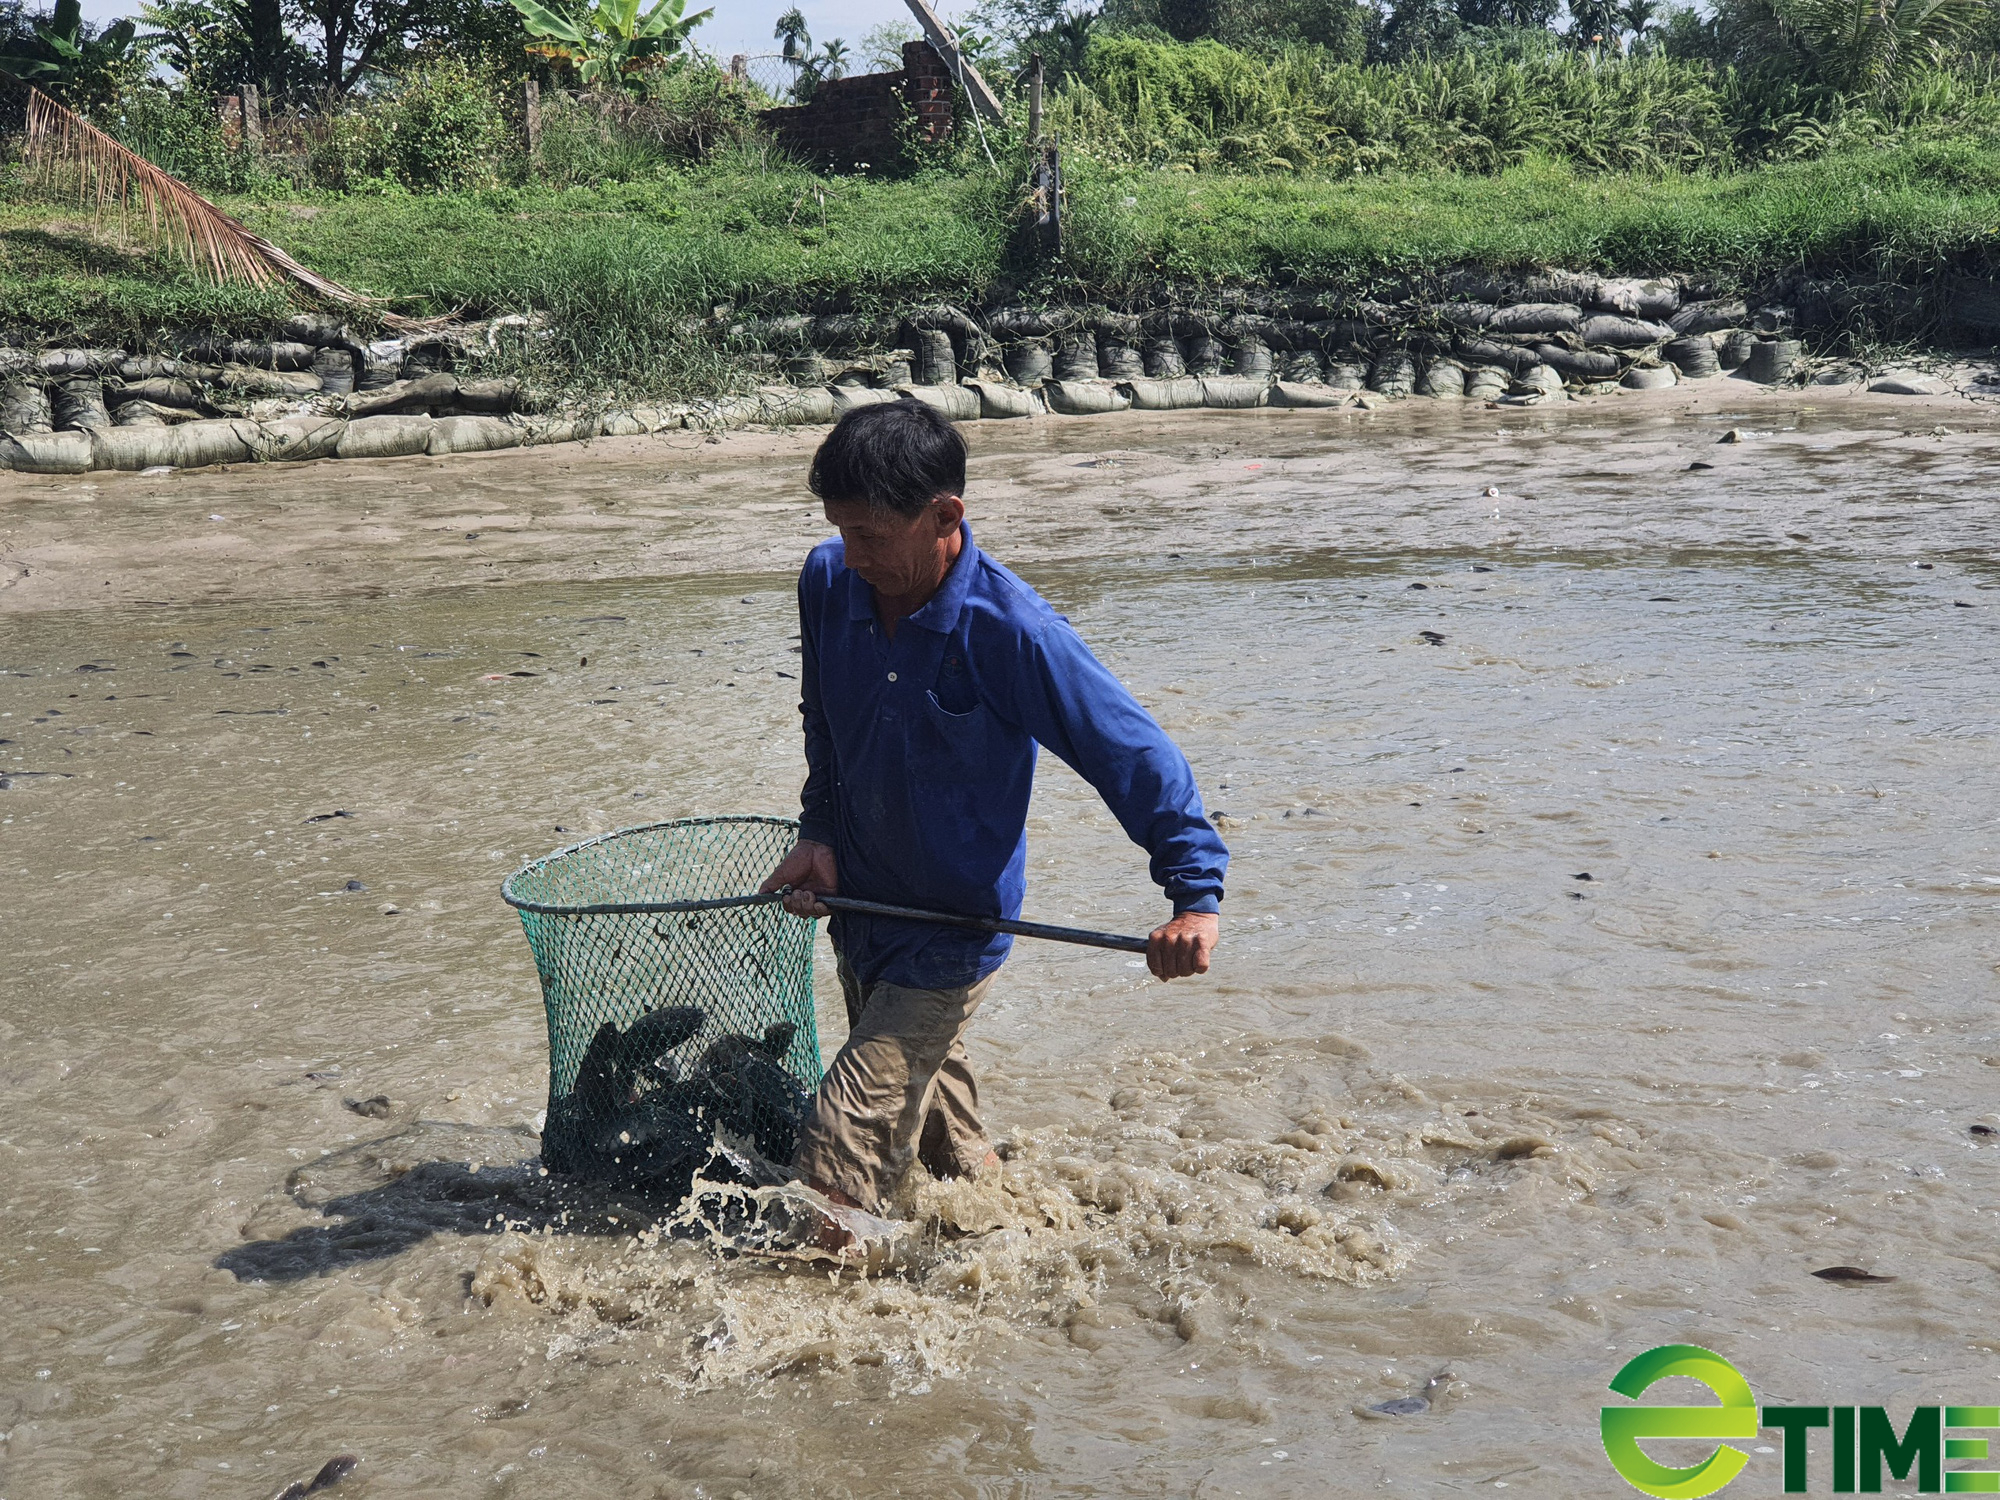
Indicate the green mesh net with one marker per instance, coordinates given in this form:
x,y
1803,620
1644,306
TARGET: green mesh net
x,y
680,1007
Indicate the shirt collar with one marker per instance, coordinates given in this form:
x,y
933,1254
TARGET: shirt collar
x,y
940,613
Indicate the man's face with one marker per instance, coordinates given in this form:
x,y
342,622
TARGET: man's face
x,y
896,555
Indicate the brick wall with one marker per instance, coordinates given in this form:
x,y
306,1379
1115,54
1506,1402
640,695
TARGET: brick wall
x,y
852,122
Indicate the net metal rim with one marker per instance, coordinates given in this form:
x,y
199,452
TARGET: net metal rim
x,y
636,908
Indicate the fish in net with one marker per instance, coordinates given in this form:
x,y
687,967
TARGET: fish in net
x,y
680,1004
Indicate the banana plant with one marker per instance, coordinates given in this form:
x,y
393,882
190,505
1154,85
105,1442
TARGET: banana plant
x,y
66,58
608,40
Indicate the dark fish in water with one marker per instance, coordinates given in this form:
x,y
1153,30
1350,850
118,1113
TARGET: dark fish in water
x,y
1412,1406
331,1473
597,1074
1850,1274
778,1038
657,1032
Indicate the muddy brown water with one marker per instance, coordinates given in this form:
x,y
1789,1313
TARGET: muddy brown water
x,y
1444,1105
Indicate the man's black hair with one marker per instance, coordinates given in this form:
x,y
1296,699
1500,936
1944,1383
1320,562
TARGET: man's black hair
x,y
898,456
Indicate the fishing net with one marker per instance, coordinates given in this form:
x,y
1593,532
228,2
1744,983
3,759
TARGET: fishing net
x,y
680,1003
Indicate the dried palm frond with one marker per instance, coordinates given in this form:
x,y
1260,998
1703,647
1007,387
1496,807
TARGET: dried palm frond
x,y
64,149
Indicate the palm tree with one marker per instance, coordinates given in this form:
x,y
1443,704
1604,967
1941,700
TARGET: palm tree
x,y
832,59
1871,44
1638,18
791,30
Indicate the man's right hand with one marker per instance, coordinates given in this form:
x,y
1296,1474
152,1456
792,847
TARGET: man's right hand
x,y
809,871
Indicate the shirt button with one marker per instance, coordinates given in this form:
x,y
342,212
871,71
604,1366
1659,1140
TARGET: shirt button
x,y
892,676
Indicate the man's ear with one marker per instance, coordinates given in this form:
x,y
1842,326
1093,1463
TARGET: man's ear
x,y
949,511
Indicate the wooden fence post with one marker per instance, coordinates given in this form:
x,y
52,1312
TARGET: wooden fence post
x,y
531,117
1034,98
253,120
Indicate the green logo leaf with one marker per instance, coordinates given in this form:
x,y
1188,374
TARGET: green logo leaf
x,y
1621,1427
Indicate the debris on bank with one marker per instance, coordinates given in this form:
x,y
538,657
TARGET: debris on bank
x,y
319,391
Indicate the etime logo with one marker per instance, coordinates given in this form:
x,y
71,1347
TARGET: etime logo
x,y
1864,1441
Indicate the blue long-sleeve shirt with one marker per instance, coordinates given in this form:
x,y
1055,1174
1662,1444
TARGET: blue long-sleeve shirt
x,y
920,756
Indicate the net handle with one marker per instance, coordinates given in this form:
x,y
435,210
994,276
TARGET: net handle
x,y
1081,936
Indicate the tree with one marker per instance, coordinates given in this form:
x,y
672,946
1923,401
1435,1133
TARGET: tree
x,y
1865,45
832,59
1639,17
608,40
791,30
67,60
220,44
354,35
1592,23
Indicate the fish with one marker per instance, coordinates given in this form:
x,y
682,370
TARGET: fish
x,y
657,1032
778,1038
330,1473
1852,1274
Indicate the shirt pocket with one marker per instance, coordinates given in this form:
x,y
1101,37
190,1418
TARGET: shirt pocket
x,y
952,747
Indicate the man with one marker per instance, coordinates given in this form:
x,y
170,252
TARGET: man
x,y
929,673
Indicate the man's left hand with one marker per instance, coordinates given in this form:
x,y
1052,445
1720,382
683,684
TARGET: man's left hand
x,y
1182,946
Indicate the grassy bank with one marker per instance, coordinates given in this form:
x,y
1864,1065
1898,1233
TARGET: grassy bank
x,y
618,269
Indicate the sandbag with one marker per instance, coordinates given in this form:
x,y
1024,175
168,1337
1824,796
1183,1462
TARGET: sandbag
x,y
1182,393
1394,375
1118,357
134,448
955,401
15,363
997,400
1076,357
620,423
249,381
1163,358
898,367
1623,333
149,414
1086,398
157,366
314,328
160,390
25,409
335,369
1304,365
1346,374
480,434
1251,358
1771,360
847,398
1028,361
502,395
1202,353
844,332
1486,383
63,364
1299,393
1232,393
1540,382
1444,378
1463,315
298,439
427,393
1638,298
1736,348
935,363
799,406
201,445
386,437
1536,317
1579,364
79,403
46,452
1649,378
809,369
377,364
1509,357
1693,357
1710,317
1022,324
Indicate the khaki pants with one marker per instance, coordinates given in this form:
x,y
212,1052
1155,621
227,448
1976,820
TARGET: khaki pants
x,y
901,1090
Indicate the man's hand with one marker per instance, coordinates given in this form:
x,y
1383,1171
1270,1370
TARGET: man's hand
x,y
1182,946
808,870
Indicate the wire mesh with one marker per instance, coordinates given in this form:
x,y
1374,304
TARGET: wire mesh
x,y
668,1029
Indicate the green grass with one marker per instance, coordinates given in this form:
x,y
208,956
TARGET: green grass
x,y
619,270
